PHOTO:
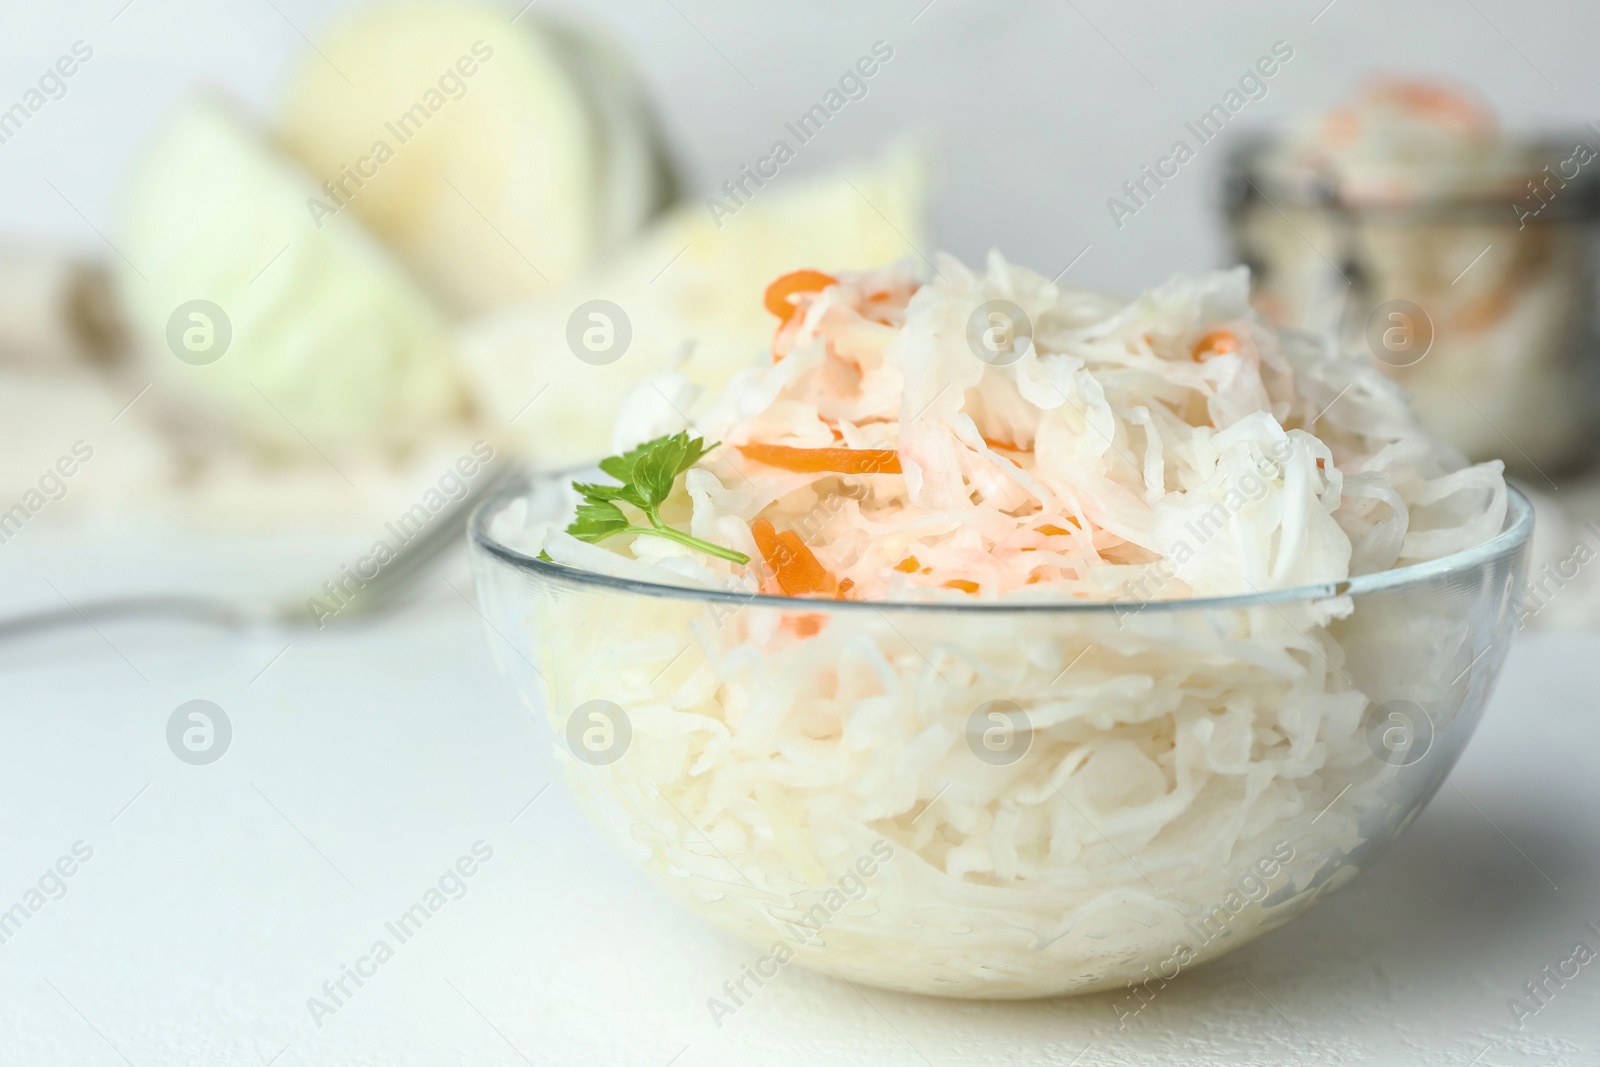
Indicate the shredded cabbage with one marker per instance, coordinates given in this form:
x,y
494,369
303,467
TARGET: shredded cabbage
x,y
1184,777
1172,446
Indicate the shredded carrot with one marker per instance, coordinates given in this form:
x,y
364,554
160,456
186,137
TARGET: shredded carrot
x,y
819,460
805,566
796,569
797,281
806,625
1050,529
909,565
767,542
1215,343
845,585
962,584
1006,446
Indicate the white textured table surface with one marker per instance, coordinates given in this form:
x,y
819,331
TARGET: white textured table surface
x,y
365,762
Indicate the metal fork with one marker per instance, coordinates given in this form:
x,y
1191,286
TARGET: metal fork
x,y
381,592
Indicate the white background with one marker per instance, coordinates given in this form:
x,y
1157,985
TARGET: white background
x,y
1036,111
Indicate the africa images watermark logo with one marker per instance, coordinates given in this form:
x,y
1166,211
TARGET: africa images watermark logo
x,y
199,332
851,85
1553,575
50,86
450,886
51,486
342,590
1552,979
806,931
1543,189
1206,127
599,732
1252,887
199,732
1250,487
353,177
50,886
599,332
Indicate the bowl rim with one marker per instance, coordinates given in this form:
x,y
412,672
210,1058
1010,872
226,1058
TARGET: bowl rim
x,y
1513,537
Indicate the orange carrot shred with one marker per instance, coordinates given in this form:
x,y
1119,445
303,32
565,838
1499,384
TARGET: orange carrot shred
x,y
824,460
808,624
796,569
962,584
1215,343
1005,446
797,281
766,537
909,565
808,572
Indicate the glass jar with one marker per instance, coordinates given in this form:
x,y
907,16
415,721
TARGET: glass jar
x,y
1475,291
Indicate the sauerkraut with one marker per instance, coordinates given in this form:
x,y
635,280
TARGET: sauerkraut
x,y
995,435
1076,787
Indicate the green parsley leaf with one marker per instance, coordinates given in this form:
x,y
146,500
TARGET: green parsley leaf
x,y
647,474
610,492
656,471
621,467
597,520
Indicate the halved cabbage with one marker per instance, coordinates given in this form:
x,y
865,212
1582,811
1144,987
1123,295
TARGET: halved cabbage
x,y
496,158
686,279
332,343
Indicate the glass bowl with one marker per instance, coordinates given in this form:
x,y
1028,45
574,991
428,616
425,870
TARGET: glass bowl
x,y
990,799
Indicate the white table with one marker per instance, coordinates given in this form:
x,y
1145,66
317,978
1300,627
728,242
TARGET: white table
x,y
365,761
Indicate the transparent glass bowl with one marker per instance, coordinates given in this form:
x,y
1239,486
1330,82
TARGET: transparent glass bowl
x,y
994,800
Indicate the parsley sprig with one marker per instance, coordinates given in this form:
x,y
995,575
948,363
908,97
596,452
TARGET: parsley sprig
x,y
647,475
